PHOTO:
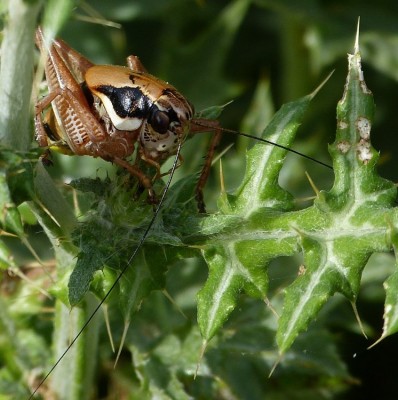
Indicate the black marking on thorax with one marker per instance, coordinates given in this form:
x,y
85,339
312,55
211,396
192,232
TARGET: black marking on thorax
x,y
127,101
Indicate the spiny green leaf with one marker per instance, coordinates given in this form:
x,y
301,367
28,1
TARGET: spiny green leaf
x,y
391,303
357,209
237,258
260,187
211,113
135,286
110,236
333,257
391,306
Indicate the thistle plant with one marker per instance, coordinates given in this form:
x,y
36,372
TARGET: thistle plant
x,y
256,224
242,329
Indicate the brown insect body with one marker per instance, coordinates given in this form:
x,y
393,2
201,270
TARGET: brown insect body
x,y
140,102
104,110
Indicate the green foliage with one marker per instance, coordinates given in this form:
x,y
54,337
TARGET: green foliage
x,y
222,269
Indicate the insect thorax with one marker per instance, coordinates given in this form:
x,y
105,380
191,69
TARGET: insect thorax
x,y
143,105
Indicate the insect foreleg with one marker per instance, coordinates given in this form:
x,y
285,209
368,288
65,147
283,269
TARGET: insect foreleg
x,y
212,126
40,132
135,171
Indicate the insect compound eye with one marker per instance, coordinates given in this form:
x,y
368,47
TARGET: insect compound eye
x,y
159,121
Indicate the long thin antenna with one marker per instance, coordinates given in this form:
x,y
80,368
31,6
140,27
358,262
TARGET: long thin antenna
x,y
266,142
141,242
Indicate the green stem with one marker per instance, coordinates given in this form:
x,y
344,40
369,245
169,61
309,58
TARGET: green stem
x,y
72,378
16,73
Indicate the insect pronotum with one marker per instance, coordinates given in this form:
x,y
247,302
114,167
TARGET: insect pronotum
x,y
111,112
